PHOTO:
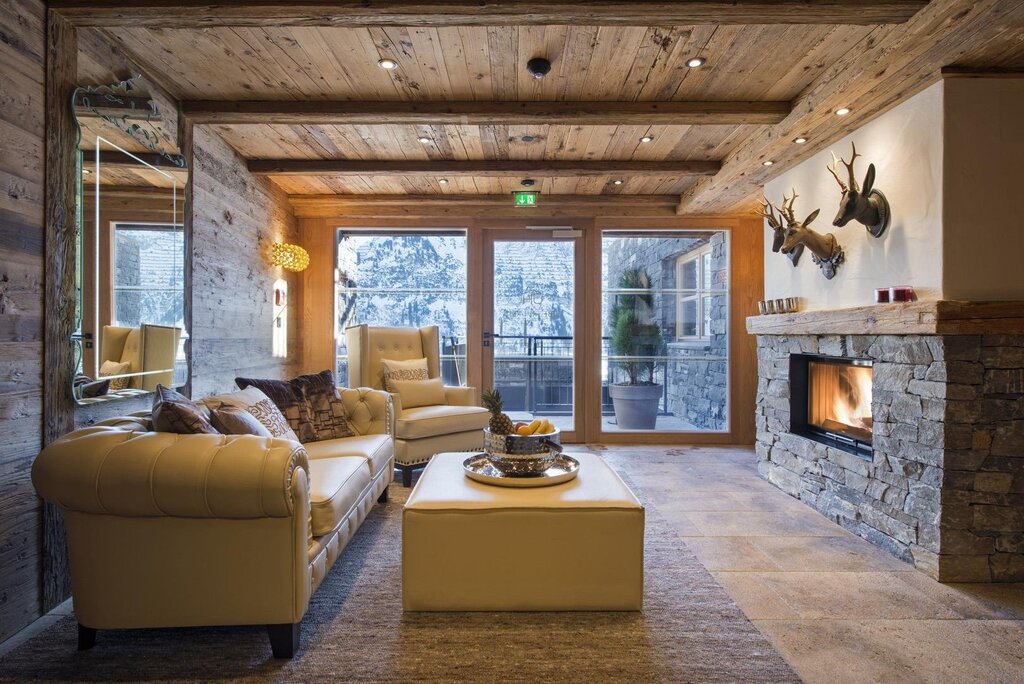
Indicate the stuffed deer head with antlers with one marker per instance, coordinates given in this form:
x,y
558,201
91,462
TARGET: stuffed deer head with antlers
x,y
825,249
776,223
863,204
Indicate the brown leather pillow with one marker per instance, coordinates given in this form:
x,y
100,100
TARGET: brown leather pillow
x,y
174,412
232,420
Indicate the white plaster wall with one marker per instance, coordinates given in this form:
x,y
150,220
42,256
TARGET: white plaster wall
x,y
906,146
983,212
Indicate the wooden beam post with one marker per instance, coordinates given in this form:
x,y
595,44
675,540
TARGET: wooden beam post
x,y
430,13
481,168
311,112
59,300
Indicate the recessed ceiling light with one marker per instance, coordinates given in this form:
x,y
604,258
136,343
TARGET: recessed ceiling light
x,y
443,181
388,64
423,139
527,138
843,111
527,182
618,181
647,138
695,62
767,162
800,141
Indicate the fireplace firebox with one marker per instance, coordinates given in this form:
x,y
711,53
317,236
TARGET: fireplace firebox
x,y
830,401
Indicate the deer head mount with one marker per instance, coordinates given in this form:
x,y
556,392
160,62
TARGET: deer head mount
x,y
825,249
863,204
778,226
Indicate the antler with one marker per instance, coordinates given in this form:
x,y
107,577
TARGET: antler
x,y
787,208
849,170
768,212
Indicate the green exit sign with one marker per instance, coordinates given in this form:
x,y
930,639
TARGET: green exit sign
x,y
526,199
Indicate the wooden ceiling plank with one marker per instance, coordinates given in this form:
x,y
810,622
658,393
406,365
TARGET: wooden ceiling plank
x,y
480,113
894,64
486,168
203,14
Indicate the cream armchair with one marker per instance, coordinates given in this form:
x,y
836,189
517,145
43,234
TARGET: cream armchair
x,y
421,432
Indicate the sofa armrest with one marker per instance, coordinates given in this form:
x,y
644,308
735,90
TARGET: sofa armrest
x,y
369,411
111,471
461,396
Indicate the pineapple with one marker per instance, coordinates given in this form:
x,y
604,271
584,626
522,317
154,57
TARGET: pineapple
x,y
500,424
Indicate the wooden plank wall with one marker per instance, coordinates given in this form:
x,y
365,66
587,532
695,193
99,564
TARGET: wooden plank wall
x,y
22,77
236,218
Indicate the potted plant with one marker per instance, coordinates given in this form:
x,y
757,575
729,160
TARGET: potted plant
x,y
636,335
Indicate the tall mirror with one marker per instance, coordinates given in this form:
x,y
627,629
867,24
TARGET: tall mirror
x,y
131,333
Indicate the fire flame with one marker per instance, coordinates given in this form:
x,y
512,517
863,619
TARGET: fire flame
x,y
852,402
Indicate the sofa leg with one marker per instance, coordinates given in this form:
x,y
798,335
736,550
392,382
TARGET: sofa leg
x,y
284,639
383,498
86,637
406,476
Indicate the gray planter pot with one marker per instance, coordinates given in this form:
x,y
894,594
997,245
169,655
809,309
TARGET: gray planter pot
x,y
636,406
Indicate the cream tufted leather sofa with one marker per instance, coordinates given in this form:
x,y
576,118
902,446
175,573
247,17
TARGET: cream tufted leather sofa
x,y
168,530
421,432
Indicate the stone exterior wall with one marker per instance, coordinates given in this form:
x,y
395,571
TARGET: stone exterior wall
x,y
697,377
945,488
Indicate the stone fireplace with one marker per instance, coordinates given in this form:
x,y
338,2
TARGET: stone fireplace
x,y
904,423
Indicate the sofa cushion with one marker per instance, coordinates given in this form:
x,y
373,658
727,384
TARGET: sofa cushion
x,y
232,420
334,487
377,450
430,421
288,398
324,405
117,368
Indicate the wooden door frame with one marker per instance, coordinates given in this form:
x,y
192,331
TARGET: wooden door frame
x,y
487,236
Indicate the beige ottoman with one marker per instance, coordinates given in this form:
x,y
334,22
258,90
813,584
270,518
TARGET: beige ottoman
x,y
471,546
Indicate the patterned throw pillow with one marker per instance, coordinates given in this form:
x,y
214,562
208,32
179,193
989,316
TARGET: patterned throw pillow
x,y
174,412
287,397
117,368
259,405
231,420
324,407
412,369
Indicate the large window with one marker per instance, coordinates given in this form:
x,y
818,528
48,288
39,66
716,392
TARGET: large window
x,y
403,279
665,333
149,275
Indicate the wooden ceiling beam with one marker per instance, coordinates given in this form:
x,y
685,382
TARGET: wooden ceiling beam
x,y
485,113
441,13
894,64
479,169
456,205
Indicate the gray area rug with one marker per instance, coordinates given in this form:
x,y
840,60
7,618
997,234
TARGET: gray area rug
x,y
355,631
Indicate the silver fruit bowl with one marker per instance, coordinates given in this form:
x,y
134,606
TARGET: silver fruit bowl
x,y
522,454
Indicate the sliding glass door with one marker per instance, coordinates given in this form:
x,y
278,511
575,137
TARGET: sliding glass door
x,y
530,323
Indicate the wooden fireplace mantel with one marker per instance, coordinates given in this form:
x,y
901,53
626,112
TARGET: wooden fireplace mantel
x,y
935,317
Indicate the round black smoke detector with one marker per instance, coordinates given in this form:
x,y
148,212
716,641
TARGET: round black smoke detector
x,y
538,67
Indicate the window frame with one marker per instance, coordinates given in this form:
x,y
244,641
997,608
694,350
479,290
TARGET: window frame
x,y
142,226
700,295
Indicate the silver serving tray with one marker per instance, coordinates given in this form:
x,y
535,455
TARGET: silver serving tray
x,y
479,468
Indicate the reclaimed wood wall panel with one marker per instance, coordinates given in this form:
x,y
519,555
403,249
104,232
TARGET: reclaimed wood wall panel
x,y
236,217
22,126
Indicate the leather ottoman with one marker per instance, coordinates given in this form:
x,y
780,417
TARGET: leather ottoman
x,y
468,546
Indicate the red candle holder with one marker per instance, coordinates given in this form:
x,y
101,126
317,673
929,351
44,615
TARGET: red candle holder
x,y
882,295
902,293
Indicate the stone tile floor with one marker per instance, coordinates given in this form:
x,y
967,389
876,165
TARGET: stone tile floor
x,y
837,608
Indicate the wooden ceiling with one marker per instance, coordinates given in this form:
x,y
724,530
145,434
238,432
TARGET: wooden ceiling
x,y
777,76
